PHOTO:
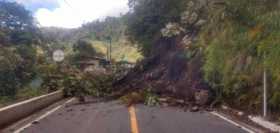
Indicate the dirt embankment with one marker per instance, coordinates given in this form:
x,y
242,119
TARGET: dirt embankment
x,y
168,72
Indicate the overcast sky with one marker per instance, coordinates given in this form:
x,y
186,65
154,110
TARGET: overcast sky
x,y
73,13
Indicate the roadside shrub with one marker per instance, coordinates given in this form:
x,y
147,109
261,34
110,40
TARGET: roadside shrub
x,y
52,77
101,85
5,100
275,101
73,84
15,71
27,93
77,83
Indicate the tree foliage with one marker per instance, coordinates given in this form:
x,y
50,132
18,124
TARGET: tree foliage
x,y
148,17
18,37
84,48
17,25
241,39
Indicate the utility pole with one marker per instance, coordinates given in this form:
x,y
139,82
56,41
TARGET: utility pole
x,y
110,49
264,92
108,57
110,43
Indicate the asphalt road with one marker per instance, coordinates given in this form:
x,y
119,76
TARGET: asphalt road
x,y
173,120
112,117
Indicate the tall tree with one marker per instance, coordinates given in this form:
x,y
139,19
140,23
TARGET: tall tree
x,y
18,35
147,17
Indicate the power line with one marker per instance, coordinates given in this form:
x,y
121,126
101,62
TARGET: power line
x,y
67,3
76,11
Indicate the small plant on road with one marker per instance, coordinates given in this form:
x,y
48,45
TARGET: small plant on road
x,y
151,99
145,96
132,98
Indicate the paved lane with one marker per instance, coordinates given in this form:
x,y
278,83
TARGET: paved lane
x,y
172,120
111,117
87,118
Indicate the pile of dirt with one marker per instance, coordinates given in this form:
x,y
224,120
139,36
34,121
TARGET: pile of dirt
x,y
169,72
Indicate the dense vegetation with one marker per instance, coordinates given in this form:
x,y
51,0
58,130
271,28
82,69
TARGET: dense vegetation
x,y
18,41
241,41
238,40
27,68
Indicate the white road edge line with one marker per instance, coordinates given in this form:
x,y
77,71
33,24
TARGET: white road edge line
x,y
43,116
232,122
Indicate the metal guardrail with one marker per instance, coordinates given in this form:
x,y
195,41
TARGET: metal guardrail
x,y
23,109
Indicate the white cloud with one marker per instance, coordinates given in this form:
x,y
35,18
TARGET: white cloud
x,y
73,13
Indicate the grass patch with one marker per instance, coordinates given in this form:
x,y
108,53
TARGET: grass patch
x,y
120,51
22,94
28,93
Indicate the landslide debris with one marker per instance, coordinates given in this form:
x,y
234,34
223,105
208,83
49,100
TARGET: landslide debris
x,y
168,72
174,66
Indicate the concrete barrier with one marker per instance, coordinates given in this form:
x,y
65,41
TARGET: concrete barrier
x,y
23,109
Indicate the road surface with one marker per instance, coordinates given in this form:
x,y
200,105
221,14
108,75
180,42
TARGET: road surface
x,y
112,117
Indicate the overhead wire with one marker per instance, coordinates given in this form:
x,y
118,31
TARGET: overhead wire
x,y
76,11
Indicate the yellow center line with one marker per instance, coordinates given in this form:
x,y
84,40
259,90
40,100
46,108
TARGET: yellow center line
x,y
133,120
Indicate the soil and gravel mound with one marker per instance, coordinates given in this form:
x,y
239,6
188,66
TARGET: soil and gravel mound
x,y
169,72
